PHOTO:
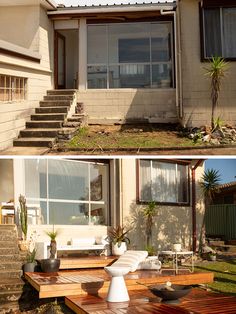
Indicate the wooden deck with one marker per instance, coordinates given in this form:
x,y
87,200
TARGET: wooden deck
x,y
197,302
82,282
86,262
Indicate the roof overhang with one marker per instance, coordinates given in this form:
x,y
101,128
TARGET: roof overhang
x,y
86,11
48,4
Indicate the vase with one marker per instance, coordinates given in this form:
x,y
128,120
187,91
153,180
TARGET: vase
x,y
119,250
29,267
50,265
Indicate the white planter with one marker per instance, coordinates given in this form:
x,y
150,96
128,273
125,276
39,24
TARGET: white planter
x,y
116,250
177,247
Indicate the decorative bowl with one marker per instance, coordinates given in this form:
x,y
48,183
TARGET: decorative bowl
x,y
169,296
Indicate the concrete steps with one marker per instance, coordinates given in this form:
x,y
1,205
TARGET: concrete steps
x,y
35,141
50,121
11,284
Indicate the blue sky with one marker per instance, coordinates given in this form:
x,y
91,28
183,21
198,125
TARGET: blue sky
x,y
226,167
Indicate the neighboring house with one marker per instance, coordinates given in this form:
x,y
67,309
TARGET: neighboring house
x,y
82,198
226,194
129,60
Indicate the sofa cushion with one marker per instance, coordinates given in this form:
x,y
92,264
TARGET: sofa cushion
x,y
82,241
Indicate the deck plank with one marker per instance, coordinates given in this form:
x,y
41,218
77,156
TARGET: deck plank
x,y
197,302
81,282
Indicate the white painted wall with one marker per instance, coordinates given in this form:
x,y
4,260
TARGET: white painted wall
x,y
172,223
6,182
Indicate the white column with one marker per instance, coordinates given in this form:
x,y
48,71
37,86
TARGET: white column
x,y
82,76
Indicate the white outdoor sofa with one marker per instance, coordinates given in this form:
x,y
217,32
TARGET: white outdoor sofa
x,y
76,245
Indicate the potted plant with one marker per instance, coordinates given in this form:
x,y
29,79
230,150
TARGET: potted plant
x,y
23,223
212,256
117,236
52,263
149,213
30,264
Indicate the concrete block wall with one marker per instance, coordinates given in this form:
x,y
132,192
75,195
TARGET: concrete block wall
x,y
117,105
196,86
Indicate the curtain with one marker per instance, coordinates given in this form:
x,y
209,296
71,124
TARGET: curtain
x,y
229,31
212,32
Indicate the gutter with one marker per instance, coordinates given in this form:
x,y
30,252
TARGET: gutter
x,y
194,220
113,9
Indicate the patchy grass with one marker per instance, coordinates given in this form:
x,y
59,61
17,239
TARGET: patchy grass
x,y
147,136
224,275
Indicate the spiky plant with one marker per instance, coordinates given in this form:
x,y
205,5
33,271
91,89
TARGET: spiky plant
x,y
53,244
23,216
216,72
209,184
117,235
149,212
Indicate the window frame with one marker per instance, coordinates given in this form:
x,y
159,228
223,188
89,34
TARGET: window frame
x,y
16,90
205,6
89,202
109,64
138,187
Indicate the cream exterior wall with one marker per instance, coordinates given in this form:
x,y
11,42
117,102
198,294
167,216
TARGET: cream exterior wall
x,y
196,86
32,30
117,105
6,182
172,223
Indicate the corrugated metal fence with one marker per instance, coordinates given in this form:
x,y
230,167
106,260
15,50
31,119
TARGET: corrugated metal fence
x,y
221,220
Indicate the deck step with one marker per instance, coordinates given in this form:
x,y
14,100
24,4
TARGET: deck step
x,y
61,92
40,132
51,110
4,243
9,257
55,103
44,124
58,97
35,142
48,117
11,284
6,251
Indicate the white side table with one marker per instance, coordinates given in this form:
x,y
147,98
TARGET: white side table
x,y
174,255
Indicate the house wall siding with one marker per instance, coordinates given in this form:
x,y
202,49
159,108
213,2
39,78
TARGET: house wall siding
x,y
117,105
196,86
172,223
37,38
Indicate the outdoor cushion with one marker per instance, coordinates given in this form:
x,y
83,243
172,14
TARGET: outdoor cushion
x,y
82,241
131,259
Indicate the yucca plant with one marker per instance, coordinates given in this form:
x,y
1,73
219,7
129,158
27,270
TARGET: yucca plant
x,y
53,244
209,184
117,235
23,216
216,72
149,212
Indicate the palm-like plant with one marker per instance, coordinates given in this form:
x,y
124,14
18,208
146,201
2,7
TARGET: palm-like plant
x,y
210,185
216,71
53,244
149,212
23,216
117,235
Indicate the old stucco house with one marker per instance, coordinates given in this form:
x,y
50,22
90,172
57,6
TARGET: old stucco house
x,y
83,198
125,60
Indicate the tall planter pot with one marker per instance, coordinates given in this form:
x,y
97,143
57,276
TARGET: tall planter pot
x,y
29,267
50,265
119,250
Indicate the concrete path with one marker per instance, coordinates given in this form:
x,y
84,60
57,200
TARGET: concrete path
x,y
24,151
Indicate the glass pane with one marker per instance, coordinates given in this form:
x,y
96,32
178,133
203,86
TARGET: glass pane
x,y
37,212
182,178
229,31
129,43
162,75
161,42
98,215
97,44
35,178
98,182
68,214
68,180
212,32
97,77
164,182
130,76
145,180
